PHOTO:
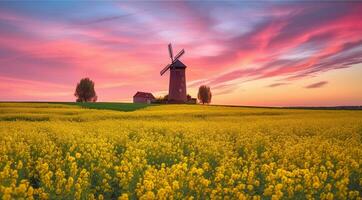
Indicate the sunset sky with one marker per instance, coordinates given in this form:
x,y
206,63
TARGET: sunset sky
x,y
266,53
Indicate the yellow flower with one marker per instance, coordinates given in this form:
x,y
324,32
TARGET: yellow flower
x,y
124,196
242,197
279,186
149,196
78,155
161,194
71,158
148,185
20,165
268,191
298,188
316,185
175,185
30,191
329,196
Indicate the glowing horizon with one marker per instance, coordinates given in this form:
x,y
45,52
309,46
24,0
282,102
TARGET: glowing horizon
x,y
262,54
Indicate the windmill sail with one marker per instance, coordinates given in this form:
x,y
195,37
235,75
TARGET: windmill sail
x,y
170,51
179,54
165,69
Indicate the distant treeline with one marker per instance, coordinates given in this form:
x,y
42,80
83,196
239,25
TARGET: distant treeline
x,y
302,107
329,108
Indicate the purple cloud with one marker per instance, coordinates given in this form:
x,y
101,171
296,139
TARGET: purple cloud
x,y
317,85
277,84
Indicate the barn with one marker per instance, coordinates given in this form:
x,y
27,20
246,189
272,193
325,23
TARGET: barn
x,y
143,97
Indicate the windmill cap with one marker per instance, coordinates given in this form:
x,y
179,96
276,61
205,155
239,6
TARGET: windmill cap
x,y
178,65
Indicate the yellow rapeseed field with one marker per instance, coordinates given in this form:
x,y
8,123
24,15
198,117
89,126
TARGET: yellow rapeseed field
x,y
55,151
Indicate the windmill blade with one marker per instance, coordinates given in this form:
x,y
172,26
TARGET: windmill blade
x,y
179,54
165,69
170,51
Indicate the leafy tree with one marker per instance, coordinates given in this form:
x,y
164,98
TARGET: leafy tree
x,y
85,91
204,94
161,99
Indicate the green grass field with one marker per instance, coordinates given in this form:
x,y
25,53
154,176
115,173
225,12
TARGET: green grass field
x,y
68,151
112,106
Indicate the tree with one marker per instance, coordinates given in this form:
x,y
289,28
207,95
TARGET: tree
x,y
204,94
85,91
161,99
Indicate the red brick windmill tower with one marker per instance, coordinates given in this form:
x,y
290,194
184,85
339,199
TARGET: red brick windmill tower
x,y
177,87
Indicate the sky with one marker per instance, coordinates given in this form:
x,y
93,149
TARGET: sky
x,y
270,53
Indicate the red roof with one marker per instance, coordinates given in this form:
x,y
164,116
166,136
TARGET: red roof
x,y
144,95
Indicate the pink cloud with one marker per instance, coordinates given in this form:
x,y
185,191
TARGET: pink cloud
x,y
25,90
261,48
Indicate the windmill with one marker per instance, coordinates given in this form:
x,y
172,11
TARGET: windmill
x,y
177,86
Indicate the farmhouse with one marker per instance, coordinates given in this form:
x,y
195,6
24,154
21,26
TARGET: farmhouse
x,y
143,97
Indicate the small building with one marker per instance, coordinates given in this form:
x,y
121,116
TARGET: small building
x,y
143,97
192,101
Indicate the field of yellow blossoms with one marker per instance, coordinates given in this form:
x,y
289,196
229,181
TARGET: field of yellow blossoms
x,y
55,151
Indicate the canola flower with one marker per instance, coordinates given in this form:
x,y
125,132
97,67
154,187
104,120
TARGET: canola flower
x,y
54,151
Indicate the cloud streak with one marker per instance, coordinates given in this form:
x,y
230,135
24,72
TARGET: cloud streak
x,y
317,85
277,84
